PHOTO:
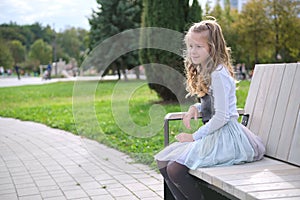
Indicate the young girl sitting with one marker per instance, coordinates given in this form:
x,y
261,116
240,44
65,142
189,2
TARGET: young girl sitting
x,y
222,140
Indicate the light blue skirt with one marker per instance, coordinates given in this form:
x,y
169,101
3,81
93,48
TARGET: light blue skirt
x,y
229,145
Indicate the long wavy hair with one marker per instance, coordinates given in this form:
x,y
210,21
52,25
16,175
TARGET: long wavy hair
x,y
198,76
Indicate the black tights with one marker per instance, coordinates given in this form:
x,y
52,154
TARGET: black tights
x,y
180,182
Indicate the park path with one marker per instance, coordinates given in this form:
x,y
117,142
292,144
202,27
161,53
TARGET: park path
x,y
39,162
13,81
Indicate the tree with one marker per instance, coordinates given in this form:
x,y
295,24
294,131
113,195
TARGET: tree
x,y
194,13
17,50
207,7
40,53
226,17
284,22
26,34
173,16
67,45
70,43
114,17
253,28
217,11
6,59
9,32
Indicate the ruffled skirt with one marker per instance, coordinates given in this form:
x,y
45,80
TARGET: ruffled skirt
x,y
229,145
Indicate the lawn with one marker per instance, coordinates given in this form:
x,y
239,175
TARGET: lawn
x,y
130,123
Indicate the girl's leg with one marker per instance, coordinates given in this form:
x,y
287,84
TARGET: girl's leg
x,y
188,185
162,165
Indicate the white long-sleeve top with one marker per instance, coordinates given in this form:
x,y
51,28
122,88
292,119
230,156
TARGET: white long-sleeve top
x,y
223,91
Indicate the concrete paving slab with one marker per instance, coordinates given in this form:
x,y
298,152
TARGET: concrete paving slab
x,y
38,162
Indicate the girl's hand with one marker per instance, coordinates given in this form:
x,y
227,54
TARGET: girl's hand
x,y
192,113
184,137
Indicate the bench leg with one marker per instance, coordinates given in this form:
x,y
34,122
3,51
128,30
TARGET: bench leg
x,y
167,193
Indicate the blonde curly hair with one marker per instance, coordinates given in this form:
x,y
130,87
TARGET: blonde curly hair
x,y
199,77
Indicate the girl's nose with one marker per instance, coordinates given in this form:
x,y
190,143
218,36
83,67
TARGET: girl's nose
x,y
193,50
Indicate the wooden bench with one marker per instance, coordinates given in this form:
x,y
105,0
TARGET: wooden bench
x,y
273,105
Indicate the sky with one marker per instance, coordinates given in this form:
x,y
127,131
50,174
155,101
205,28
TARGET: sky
x,y
59,14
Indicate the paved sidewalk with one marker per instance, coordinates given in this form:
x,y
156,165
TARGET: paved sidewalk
x,y
38,162
13,81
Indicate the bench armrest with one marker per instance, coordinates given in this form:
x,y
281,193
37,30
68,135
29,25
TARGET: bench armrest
x,y
179,116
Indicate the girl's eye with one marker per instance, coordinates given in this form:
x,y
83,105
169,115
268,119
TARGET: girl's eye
x,y
198,46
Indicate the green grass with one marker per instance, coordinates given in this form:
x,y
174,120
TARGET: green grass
x,y
102,111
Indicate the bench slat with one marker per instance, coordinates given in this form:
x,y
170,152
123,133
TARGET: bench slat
x,y
279,114
271,103
238,178
261,98
267,186
271,170
295,193
295,149
250,167
285,142
258,179
252,93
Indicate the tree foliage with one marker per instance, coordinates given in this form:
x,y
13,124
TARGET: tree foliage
x,y
284,24
69,44
194,14
5,55
17,50
265,31
40,53
174,16
253,31
111,18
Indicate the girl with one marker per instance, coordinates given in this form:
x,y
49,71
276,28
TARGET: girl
x,y
222,140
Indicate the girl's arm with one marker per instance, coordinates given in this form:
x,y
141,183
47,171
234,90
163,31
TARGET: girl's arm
x,y
192,113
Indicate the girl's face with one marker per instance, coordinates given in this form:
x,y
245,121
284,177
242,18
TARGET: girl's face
x,y
198,49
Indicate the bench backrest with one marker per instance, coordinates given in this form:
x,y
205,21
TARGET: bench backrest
x,y
273,103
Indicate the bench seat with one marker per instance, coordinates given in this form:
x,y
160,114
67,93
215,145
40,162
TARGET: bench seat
x,y
265,179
